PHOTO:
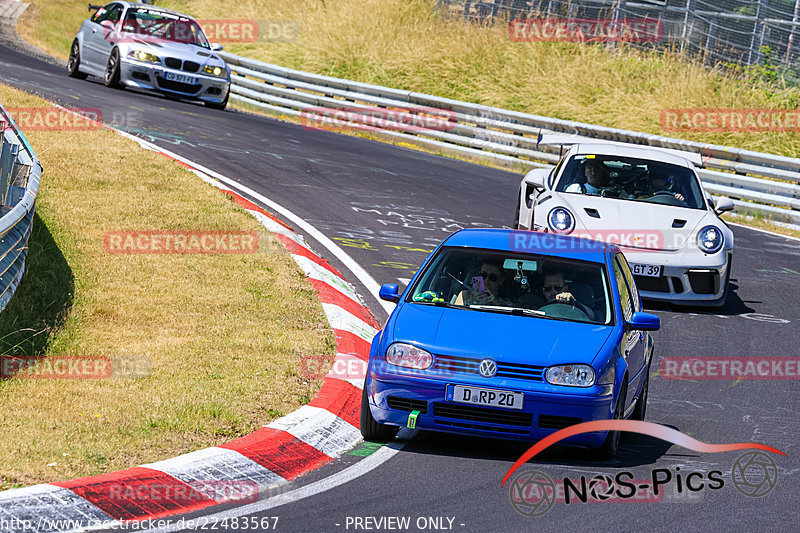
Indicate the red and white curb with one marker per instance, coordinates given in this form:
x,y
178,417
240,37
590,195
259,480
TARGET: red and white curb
x,y
299,442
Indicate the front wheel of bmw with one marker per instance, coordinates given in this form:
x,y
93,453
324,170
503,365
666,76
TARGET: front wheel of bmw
x,y
111,78
371,429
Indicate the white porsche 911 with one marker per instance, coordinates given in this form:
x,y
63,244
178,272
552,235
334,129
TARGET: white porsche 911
x,y
147,47
649,201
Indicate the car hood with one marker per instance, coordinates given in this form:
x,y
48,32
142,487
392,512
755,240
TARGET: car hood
x,y
633,224
164,48
502,337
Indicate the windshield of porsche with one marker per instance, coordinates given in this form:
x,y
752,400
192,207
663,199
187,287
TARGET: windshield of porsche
x,y
629,178
154,24
520,284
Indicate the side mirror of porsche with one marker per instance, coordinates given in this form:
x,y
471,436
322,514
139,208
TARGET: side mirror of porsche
x,y
722,204
536,179
389,292
644,322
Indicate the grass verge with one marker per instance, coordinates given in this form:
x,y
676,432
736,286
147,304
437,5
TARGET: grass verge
x,y
218,338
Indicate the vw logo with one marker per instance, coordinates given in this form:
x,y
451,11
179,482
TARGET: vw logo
x,y
488,368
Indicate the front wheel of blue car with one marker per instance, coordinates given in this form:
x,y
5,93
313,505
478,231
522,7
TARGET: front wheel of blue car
x,y
641,404
609,448
371,429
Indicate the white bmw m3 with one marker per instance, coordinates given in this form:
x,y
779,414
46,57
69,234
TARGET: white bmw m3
x,y
649,201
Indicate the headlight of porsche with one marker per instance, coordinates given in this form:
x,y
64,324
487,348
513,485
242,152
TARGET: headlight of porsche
x,y
214,71
141,55
571,375
710,239
406,355
561,220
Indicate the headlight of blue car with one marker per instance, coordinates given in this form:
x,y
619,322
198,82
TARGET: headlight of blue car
x,y
141,55
214,71
570,375
561,220
408,356
710,239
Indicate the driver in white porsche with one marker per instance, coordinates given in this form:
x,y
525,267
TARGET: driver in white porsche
x,y
597,178
661,183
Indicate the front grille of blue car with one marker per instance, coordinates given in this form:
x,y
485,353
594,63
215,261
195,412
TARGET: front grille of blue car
x,y
486,415
557,422
407,404
466,365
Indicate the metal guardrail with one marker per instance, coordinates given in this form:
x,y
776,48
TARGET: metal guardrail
x,y
20,173
756,182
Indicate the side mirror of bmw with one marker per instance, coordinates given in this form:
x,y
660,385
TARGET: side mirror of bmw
x,y
216,47
644,322
389,292
722,204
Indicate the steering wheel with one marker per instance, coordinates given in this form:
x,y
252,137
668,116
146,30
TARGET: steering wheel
x,y
574,306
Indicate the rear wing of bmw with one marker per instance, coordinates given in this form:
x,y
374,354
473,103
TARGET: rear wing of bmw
x,y
555,139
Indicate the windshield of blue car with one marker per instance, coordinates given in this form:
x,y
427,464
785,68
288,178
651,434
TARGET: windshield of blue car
x,y
531,285
158,25
631,179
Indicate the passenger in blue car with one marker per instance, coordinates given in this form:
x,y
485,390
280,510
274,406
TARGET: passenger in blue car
x,y
493,276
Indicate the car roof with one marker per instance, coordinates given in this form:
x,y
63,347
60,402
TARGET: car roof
x,y
151,7
533,242
630,151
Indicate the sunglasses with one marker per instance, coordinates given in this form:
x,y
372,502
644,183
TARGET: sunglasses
x,y
556,288
490,277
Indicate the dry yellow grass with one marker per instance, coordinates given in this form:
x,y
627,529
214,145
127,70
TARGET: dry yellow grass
x,y
223,335
401,43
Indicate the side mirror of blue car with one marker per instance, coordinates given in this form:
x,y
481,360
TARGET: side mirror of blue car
x,y
389,292
644,322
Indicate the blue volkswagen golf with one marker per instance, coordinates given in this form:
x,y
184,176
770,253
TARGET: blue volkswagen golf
x,y
512,334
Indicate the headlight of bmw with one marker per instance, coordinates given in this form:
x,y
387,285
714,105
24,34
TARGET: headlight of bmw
x,y
571,375
214,71
561,220
710,239
141,55
408,356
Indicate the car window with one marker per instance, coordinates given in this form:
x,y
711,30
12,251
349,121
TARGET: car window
x,y
626,271
163,26
624,294
632,179
514,283
111,12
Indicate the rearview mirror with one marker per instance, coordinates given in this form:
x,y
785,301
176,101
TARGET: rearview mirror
x,y
107,24
389,292
722,204
644,322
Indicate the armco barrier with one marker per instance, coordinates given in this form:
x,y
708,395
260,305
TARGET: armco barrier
x,y
755,181
20,172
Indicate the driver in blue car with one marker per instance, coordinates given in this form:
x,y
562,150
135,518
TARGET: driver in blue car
x,y
660,183
555,289
597,178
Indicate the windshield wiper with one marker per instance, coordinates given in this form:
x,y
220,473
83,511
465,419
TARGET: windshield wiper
x,y
509,310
